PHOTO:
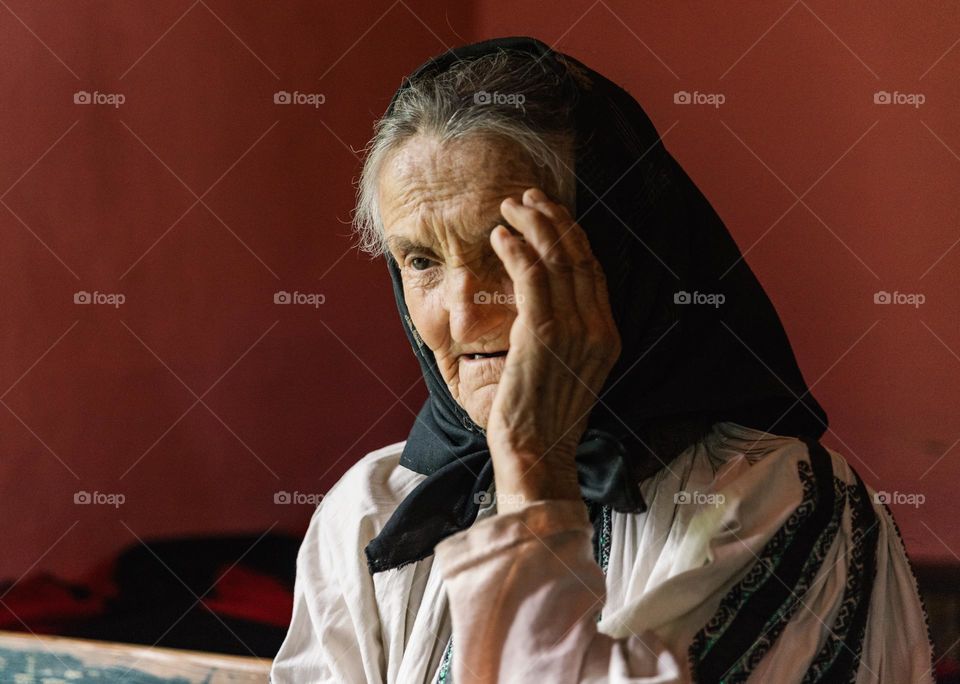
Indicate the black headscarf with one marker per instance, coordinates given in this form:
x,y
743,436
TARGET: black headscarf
x,y
683,366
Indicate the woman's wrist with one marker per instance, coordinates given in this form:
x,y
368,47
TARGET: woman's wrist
x,y
523,478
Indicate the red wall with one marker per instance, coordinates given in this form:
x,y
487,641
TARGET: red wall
x,y
198,398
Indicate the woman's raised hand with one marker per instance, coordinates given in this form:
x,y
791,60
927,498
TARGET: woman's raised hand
x,y
563,344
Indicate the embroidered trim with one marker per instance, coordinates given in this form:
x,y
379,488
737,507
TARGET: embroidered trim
x,y
811,568
606,539
444,674
602,517
833,664
759,573
755,611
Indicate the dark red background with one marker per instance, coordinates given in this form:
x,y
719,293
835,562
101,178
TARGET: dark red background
x,y
98,198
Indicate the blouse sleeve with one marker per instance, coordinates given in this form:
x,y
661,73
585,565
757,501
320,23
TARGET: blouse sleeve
x,y
333,634
524,593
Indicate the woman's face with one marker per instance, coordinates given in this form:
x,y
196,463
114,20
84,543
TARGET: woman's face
x,y
438,204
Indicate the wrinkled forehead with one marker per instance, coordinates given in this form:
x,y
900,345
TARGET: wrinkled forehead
x,y
428,190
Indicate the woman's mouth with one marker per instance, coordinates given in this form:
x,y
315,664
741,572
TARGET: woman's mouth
x,y
483,355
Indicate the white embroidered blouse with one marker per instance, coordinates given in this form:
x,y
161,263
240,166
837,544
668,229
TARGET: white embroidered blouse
x,y
759,560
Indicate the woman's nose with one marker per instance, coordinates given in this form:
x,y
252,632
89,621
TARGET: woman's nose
x,y
476,307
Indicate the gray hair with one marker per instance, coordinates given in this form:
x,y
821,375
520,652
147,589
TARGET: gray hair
x,y
505,95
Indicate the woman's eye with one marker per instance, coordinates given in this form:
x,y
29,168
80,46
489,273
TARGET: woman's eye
x,y
420,263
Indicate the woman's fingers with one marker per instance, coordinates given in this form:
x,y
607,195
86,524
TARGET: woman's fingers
x,y
536,230
557,266
572,239
600,334
530,281
571,235
589,279
541,234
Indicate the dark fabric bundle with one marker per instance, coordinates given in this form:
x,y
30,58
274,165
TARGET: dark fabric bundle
x,y
684,365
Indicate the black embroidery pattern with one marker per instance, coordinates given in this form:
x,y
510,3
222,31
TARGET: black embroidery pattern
x,y
759,572
780,619
865,533
602,517
844,633
728,650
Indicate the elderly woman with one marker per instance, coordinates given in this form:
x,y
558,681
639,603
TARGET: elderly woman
x,y
617,474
